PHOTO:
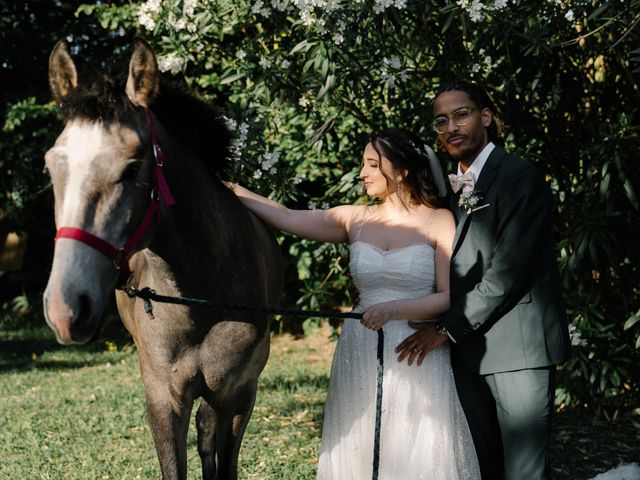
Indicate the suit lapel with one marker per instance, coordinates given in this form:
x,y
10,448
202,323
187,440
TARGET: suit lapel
x,y
487,176
490,169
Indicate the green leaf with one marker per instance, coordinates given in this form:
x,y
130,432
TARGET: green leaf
x,y
304,45
632,320
598,11
232,78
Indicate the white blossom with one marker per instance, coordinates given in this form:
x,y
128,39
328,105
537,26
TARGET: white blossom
x,y
478,11
264,62
188,7
180,24
280,5
259,8
303,102
241,54
325,205
170,63
152,6
393,62
146,21
569,15
257,174
475,11
380,6
241,132
576,336
285,63
231,123
338,38
269,159
298,178
475,68
191,27
146,13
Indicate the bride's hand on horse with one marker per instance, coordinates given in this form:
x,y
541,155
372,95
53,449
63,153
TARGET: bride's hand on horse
x,y
377,316
416,346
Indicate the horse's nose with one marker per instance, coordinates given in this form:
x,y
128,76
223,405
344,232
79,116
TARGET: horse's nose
x,y
70,319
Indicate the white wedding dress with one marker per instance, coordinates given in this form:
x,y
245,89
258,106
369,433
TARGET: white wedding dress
x,y
423,431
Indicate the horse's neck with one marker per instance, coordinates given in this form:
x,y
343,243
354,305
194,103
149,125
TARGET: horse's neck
x,y
199,224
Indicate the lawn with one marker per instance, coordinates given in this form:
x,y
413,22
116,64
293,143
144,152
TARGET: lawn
x,y
78,413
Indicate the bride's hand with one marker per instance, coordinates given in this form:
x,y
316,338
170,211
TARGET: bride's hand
x,y
377,316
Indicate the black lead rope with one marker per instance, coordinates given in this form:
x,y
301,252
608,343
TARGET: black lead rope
x,y
379,376
148,295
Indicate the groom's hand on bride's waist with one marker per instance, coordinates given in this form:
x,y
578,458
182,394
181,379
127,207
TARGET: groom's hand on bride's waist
x,y
418,345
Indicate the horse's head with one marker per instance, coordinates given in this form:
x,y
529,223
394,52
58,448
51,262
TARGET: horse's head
x,y
101,168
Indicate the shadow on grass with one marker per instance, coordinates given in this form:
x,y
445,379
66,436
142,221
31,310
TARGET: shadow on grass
x,y
24,350
583,447
294,383
301,393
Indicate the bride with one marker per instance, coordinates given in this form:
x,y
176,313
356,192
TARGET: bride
x,y
386,419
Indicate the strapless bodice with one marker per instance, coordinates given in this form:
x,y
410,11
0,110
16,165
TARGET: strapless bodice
x,y
384,275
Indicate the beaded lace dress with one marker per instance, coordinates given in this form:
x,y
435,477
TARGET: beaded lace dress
x,y
423,431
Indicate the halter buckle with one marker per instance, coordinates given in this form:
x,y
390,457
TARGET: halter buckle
x,y
157,153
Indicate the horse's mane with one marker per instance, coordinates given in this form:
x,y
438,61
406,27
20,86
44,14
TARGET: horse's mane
x,y
196,124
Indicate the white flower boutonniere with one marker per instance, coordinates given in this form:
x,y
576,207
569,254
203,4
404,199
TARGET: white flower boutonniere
x,y
469,201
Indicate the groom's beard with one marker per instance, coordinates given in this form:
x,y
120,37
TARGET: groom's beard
x,y
466,154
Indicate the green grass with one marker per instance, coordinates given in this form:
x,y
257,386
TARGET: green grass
x,y
78,413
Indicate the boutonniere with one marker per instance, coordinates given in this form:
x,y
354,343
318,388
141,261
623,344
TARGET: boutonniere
x,y
470,201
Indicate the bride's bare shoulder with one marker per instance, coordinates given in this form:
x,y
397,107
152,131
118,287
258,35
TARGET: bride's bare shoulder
x,y
443,214
443,225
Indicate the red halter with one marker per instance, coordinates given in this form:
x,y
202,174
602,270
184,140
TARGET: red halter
x,y
160,191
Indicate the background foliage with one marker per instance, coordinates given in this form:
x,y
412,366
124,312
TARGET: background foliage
x,y
304,82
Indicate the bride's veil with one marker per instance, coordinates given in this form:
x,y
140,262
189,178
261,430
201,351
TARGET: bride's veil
x,y
436,171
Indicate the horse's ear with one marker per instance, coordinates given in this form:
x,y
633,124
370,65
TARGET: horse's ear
x,y
63,76
142,84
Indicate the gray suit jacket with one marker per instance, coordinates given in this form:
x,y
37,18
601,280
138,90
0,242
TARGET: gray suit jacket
x,y
507,311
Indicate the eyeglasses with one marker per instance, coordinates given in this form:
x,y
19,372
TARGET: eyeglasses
x,y
460,118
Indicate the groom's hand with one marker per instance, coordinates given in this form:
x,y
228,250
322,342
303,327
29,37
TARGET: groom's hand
x,y
420,344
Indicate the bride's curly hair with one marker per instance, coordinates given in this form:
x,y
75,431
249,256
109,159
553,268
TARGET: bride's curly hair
x,y
406,152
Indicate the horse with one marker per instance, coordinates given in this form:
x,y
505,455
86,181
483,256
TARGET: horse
x,y
139,201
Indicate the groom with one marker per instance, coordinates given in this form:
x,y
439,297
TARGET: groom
x,y
506,325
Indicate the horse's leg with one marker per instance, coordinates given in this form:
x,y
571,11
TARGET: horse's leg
x,y
232,421
206,423
169,422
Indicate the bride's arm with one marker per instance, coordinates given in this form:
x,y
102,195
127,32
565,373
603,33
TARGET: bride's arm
x,y
324,225
427,306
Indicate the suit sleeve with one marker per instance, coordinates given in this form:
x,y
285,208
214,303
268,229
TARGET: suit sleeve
x,y
524,209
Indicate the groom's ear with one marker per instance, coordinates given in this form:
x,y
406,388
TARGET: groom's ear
x,y
487,117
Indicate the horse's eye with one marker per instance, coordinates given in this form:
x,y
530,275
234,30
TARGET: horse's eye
x,y
130,172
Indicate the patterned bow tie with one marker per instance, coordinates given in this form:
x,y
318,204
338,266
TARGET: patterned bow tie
x,y
465,181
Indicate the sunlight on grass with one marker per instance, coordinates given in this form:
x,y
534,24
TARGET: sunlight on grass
x,y
78,412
